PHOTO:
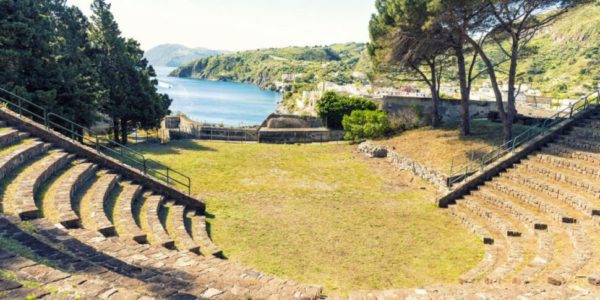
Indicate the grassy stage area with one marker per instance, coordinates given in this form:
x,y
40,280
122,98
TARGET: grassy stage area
x,y
322,214
436,148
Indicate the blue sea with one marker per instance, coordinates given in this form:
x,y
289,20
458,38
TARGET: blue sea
x,y
228,103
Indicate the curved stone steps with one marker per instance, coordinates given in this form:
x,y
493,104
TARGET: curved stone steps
x,y
200,235
22,191
578,143
207,277
9,137
557,191
535,227
95,275
578,234
510,188
493,243
591,187
579,257
91,210
56,203
18,154
586,133
568,152
564,243
124,221
151,224
491,195
512,237
569,164
176,229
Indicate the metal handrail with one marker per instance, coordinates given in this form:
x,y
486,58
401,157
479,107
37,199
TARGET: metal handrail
x,y
77,132
496,153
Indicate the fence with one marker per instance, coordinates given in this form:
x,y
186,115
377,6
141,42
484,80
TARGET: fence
x,y
52,121
489,155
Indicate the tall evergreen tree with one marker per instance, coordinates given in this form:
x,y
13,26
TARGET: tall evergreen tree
x,y
131,100
400,36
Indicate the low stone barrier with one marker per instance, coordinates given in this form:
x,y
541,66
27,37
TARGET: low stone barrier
x,y
437,178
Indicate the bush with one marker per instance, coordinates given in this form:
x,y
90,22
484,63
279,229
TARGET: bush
x,y
333,107
365,124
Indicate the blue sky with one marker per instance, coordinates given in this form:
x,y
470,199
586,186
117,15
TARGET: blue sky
x,y
241,24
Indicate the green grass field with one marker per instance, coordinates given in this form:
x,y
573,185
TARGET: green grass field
x,y
322,214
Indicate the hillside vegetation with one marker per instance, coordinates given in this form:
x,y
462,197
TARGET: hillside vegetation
x,y
174,55
566,59
290,70
564,62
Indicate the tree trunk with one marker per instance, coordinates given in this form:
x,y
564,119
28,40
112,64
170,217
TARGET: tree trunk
x,y
435,98
465,122
511,111
116,130
124,131
496,88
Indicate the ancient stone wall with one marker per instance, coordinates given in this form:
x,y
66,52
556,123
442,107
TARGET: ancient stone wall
x,y
435,177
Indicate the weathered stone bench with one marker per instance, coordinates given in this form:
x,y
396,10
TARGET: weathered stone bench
x,y
21,154
59,197
24,188
92,212
149,219
125,224
200,235
177,230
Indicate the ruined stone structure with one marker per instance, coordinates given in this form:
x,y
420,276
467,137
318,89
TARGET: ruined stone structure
x,y
98,230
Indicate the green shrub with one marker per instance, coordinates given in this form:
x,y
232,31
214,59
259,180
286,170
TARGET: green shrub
x,y
333,107
365,124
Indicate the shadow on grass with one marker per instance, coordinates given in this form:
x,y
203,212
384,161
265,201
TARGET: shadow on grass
x,y
173,147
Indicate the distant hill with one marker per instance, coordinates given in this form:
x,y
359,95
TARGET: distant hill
x,y
566,58
265,67
174,55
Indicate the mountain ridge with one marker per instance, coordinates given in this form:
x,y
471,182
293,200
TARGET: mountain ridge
x,y
175,55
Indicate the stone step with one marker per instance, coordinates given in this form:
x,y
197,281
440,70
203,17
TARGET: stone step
x,y
494,246
20,154
3,124
492,196
594,279
472,203
9,137
568,152
569,164
81,275
563,176
125,224
578,143
586,133
20,196
205,277
177,230
151,224
91,209
200,236
581,255
556,191
57,202
513,239
593,123
514,190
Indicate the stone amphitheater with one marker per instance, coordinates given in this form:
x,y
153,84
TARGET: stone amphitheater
x,y
539,221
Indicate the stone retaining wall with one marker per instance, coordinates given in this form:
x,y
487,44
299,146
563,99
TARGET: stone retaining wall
x,y
435,177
